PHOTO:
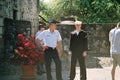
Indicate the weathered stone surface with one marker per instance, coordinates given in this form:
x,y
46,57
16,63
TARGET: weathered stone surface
x,y
92,74
21,10
98,35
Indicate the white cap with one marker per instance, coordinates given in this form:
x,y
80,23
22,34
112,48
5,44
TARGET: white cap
x,y
78,22
67,22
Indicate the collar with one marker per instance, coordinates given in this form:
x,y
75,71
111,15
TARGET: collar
x,y
75,31
39,31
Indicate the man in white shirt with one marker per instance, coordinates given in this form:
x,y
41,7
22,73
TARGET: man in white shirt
x,y
40,67
114,38
53,42
41,28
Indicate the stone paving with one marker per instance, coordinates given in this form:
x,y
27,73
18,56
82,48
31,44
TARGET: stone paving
x,y
98,68
92,74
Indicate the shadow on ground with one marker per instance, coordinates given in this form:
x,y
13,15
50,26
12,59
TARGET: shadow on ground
x,y
92,62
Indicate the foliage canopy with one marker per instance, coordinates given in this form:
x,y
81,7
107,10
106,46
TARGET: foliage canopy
x,y
89,11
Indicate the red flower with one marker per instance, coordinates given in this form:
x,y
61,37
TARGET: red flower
x,y
21,48
16,51
32,36
33,46
26,52
27,44
20,36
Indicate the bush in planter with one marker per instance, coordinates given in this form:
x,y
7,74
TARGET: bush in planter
x,y
26,51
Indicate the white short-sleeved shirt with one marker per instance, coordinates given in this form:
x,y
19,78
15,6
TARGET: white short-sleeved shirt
x,y
114,38
43,40
38,33
51,38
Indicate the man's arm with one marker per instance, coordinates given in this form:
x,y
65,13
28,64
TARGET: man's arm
x,y
110,36
70,49
85,45
70,43
59,45
38,41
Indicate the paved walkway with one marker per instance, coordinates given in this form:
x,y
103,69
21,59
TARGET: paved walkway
x,y
92,74
98,68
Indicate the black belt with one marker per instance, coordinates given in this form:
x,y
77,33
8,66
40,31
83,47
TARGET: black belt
x,y
53,48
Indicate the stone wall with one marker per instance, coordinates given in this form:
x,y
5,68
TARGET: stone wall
x,y
98,35
29,11
21,10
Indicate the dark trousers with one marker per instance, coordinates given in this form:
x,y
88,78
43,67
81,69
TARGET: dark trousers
x,y
82,65
40,68
49,55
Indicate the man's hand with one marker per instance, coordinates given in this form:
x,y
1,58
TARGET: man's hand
x,y
84,53
59,45
60,53
44,47
41,45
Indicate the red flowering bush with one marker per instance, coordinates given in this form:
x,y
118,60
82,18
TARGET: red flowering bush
x,y
26,51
